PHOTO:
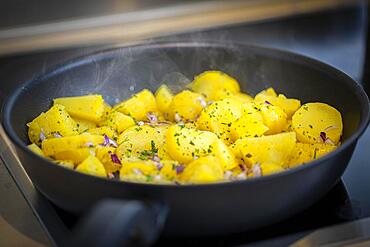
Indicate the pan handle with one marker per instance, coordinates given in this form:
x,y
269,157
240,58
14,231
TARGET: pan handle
x,y
114,222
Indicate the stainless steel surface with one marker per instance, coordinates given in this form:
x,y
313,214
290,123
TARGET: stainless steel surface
x,y
344,234
130,22
17,219
18,225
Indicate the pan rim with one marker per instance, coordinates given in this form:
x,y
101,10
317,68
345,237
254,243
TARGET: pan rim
x,y
271,52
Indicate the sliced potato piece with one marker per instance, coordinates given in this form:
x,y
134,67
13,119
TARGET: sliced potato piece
x,y
138,170
250,124
206,169
272,149
304,152
53,146
138,106
185,106
169,170
273,117
74,155
36,149
88,107
215,85
104,154
270,168
317,123
141,141
83,125
119,121
185,144
65,163
163,97
219,117
56,121
224,154
92,166
289,106
242,97
103,130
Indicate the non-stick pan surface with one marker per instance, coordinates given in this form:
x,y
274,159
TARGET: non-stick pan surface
x,y
193,209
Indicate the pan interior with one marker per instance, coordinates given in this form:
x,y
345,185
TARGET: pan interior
x,y
116,74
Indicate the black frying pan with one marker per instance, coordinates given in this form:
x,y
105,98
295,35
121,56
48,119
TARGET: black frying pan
x,y
210,209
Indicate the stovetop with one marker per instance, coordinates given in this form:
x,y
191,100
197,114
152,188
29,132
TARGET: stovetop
x,y
27,218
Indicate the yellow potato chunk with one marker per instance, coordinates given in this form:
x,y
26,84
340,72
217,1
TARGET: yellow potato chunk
x,y
141,141
272,149
107,110
219,117
163,97
242,97
74,155
138,170
289,106
215,85
185,144
273,117
168,170
138,106
56,121
53,146
88,107
65,163
317,123
186,106
304,152
104,154
163,152
92,166
206,169
119,121
224,154
36,149
250,124
83,125
103,130
270,168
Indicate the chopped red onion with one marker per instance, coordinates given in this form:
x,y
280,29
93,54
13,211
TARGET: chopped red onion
x,y
241,176
152,117
42,135
137,171
228,175
323,136
256,170
115,159
177,117
330,128
179,169
329,141
157,177
57,135
159,166
156,158
202,102
242,167
140,123
109,142
89,144
267,102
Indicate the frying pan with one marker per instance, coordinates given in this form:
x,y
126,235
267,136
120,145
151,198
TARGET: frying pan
x,y
126,210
